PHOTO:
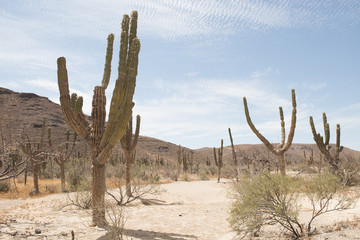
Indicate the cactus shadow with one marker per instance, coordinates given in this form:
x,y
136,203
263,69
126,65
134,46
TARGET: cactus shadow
x,y
151,235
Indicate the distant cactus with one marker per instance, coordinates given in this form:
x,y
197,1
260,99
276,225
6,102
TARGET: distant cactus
x,y
128,144
234,156
331,156
63,155
219,160
279,150
35,152
309,160
100,138
179,160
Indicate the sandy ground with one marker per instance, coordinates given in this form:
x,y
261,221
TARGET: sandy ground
x,y
185,210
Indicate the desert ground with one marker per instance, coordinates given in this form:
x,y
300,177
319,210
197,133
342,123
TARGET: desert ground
x,y
183,210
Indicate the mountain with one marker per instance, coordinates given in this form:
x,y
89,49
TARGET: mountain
x,y
23,113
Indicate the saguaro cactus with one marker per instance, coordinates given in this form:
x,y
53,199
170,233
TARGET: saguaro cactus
x,y
332,157
218,160
280,149
128,144
102,140
234,156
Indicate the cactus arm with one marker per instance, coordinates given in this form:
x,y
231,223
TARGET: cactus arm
x,y
137,131
221,153
98,115
108,58
253,128
75,120
326,129
282,123
121,102
293,123
216,162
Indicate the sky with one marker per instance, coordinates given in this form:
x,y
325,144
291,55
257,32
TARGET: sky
x,y
198,59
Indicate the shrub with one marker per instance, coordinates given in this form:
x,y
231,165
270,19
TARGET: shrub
x,y
270,199
5,186
203,175
185,177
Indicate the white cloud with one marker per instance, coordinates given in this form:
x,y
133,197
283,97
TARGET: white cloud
x,y
207,107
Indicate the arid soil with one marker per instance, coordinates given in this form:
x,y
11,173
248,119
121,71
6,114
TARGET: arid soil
x,y
184,210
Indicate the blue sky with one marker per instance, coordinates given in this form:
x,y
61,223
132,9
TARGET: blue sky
x,y
198,59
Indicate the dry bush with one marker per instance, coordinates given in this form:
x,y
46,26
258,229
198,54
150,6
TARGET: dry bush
x,y
143,183
273,199
116,217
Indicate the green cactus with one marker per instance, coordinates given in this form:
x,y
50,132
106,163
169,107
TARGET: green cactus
x,y
128,144
219,160
279,150
100,138
331,156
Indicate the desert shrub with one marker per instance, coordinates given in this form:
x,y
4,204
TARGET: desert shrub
x,y
203,175
212,170
5,185
185,177
52,188
143,183
269,199
116,218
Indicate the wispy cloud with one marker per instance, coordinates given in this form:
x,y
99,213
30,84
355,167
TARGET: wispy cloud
x,y
209,107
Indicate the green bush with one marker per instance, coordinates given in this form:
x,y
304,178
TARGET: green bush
x,y
270,199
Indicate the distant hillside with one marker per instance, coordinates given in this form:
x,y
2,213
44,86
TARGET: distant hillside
x,y
24,112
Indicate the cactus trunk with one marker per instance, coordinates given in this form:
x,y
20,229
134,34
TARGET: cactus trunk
x,y
36,177
98,194
128,175
62,176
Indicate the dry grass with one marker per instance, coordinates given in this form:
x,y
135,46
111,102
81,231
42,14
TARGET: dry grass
x,y
46,186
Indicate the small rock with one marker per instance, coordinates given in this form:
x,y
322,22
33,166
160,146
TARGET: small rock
x,y
37,231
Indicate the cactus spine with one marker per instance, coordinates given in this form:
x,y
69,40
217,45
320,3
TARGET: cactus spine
x,y
279,150
323,144
128,144
218,159
102,140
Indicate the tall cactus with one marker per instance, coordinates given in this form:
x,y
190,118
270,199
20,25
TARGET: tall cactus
x,y
234,156
100,138
280,149
332,157
128,144
219,160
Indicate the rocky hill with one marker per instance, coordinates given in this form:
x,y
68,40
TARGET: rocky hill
x,y
24,112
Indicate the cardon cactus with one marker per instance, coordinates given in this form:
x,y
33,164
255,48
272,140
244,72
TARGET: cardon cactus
x,y
100,138
218,159
331,157
280,149
128,144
